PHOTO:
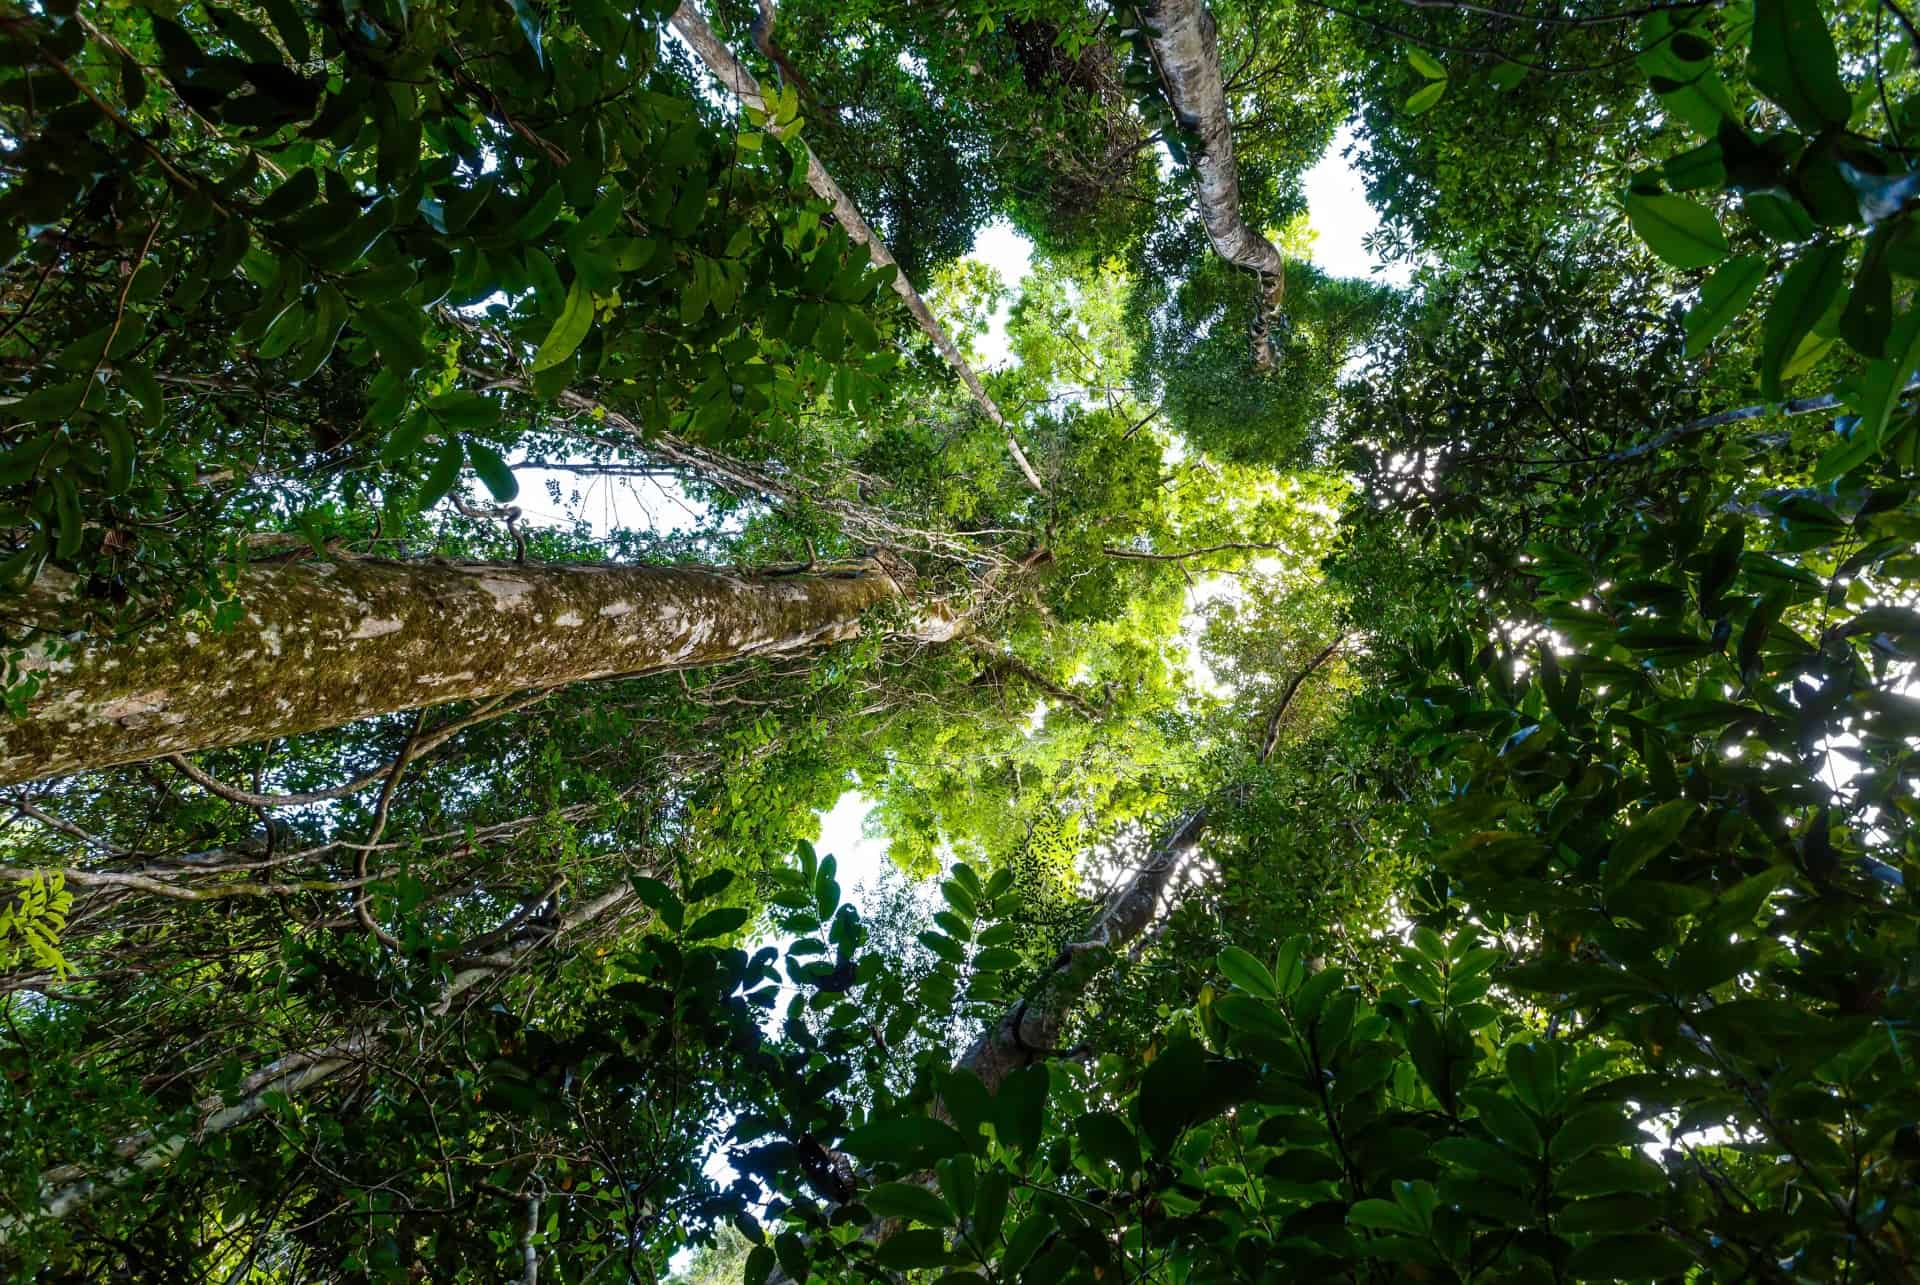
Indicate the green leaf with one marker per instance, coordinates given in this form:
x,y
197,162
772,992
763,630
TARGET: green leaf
x,y
1684,233
493,471
661,899
1384,1215
576,318
1105,1138
1422,100
1022,1107
1590,1129
1248,973
120,456
1792,61
462,408
1607,1175
330,317
909,1201
1506,1119
718,923
760,1265
918,1248
1867,319
1425,63
1723,296
905,1140
443,474
1649,836
1802,299
1639,1256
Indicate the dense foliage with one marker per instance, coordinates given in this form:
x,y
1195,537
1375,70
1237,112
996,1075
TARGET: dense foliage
x,y
1443,809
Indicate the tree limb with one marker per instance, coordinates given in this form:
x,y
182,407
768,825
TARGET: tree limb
x,y
1186,49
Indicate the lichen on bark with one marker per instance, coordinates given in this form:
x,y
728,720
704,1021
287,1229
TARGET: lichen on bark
x,y
319,644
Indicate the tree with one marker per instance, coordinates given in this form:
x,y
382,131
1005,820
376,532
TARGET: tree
x,y
1441,807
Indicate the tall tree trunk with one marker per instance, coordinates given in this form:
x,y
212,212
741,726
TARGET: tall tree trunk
x,y
693,28
1186,45
318,644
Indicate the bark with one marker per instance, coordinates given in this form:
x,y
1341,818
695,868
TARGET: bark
x,y
1030,1030
319,644
1186,47
693,28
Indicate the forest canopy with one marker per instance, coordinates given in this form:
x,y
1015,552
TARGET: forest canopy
x,y
1406,773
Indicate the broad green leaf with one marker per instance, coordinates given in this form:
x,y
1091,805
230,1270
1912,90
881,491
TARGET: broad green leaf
x,y
1684,233
909,1201
1423,99
910,1250
1021,1104
1425,63
493,471
1248,973
1384,1215
718,923
463,408
1648,837
1792,61
1638,1256
576,318
1799,302
1723,296
905,1139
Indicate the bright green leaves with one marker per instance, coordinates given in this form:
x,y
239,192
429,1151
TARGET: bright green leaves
x,y
1248,973
1424,98
576,318
1792,62
1678,60
1685,233
1722,298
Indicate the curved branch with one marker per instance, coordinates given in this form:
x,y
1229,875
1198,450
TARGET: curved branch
x,y
248,798
1271,740
1186,48
1137,555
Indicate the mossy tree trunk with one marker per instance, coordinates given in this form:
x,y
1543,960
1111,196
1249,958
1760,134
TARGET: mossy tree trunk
x,y
320,644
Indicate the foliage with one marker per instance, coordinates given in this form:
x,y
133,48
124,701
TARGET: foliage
x,y
1552,765
31,924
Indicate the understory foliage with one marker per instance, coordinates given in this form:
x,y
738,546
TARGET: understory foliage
x,y
1505,707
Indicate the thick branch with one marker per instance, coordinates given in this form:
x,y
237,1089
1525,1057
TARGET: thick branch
x,y
693,28
1186,47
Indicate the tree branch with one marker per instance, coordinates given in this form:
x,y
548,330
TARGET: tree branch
x,y
693,28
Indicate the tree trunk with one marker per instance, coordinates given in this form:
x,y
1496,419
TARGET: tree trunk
x,y
693,28
1185,44
318,644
